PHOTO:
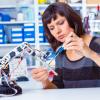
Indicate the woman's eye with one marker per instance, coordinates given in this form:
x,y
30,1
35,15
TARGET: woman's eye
x,y
51,28
60,23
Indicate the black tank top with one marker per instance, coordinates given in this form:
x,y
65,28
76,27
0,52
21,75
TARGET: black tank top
x,y
80,73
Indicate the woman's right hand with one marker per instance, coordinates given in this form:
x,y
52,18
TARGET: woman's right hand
x,y
40,74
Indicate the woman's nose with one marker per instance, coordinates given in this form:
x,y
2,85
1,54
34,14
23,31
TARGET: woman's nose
x,y
58,30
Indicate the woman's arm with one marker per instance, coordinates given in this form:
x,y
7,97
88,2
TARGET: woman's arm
x,y
49,85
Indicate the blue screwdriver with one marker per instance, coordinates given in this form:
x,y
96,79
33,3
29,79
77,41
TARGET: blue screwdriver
x,y
58,51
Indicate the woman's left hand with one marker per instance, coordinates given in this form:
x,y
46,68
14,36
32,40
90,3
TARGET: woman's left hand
x,y
73,42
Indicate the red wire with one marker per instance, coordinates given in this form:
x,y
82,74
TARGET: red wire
x,y
16,67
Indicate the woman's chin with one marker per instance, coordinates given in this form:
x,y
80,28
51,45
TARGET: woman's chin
x,y
62,40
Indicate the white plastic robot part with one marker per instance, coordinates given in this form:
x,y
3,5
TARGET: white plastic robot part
x,y
16,52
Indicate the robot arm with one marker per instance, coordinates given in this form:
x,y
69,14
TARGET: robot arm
x,y
25,48
4,66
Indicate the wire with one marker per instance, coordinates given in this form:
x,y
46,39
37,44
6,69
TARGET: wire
x,y
19,62
6,79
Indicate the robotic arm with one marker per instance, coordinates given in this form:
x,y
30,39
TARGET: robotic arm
x,y
7,86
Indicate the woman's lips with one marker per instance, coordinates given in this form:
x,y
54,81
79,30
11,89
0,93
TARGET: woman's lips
x,y
61,36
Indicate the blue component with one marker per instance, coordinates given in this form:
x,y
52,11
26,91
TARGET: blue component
x,y
59,49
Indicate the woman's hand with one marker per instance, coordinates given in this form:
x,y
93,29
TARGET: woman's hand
x,y
40,74
73,42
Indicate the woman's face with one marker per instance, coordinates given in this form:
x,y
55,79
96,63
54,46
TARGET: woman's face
x,y
59,28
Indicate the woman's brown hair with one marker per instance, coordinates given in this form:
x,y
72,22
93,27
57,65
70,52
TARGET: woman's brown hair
x,y
63,9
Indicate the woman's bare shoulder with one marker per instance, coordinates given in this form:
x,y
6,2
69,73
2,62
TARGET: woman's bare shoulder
x,y
87,38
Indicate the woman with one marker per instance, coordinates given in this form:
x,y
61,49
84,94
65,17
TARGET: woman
x,y
79,64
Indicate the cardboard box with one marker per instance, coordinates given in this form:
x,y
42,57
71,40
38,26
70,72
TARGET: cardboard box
x,y
93,1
